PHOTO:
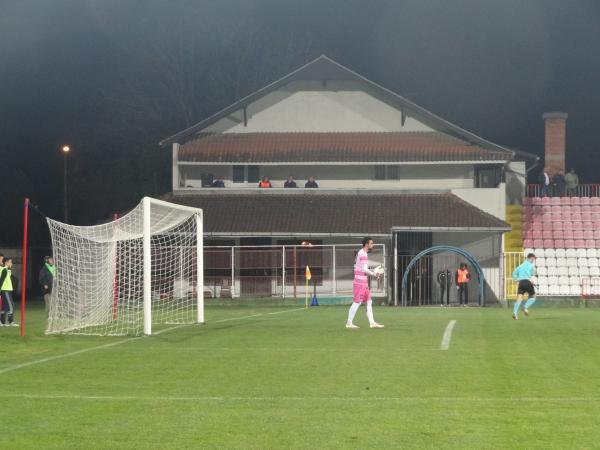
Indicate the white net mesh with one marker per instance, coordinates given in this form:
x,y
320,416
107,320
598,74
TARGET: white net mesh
x,y
99,283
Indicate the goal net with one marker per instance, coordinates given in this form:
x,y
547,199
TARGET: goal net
x,y
126,276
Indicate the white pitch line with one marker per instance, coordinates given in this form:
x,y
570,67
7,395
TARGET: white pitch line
x,y
114,344
296,399
447,335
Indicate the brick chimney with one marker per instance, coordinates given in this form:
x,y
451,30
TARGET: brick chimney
x,y
556,131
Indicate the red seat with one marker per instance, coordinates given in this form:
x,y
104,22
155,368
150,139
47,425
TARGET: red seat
x,y
577,225
547,234
558,225
536,201
595,209
568,234
597,243
575,217
586,217
536,226
586,209
595,201
597,233
590,243
575,201
537,210
565,201
569,243
548,243
537,234
555,200
559,243
526,201
578,234
527,234
538,243
588,234
579,243
528,243
558,234
584,201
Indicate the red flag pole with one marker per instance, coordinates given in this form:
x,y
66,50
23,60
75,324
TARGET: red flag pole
x,y
24,264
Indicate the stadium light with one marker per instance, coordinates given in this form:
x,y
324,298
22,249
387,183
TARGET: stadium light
x,y
65,150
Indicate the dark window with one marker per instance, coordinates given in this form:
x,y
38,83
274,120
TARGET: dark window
x,y
380,172
238,174
393,173
488,176
252,174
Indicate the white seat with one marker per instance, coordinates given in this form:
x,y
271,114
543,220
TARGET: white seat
x,y
542,289
540,262
592,253
594,271
574,271
527,251
550,271
571,262
551,262
574,280
582,253
549,253
571,253
593,262
584,272
582,262
554,289
563,281
552,280
539,252
560,253
565,290
562,271
575,290
542,281
543,271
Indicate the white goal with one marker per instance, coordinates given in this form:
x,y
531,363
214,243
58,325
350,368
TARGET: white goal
x,y
123,277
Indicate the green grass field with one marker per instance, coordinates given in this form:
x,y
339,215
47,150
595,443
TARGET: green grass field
x,y
273,377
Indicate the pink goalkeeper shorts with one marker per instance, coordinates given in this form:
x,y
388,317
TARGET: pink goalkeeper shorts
x,y
361,293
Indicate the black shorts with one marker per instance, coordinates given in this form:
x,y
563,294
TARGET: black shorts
x,y
526,286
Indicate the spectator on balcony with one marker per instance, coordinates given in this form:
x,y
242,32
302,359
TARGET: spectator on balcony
x,y
265,183
218,183
311,183
558,184
572,183
290,183
544,183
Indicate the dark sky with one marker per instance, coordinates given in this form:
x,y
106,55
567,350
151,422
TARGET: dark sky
x,y
113,77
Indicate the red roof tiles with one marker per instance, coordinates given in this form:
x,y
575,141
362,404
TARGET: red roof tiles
x,y
390,147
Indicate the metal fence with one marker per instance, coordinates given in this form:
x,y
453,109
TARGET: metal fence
x,y
279,271
583,190
511,261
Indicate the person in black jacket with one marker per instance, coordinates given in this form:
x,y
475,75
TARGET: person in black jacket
x,y
46,280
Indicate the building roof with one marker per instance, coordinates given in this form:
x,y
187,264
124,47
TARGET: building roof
x,y
333,213
325,69
333,147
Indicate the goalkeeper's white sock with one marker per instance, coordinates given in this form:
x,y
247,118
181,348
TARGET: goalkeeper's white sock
x,y
370,312
352,312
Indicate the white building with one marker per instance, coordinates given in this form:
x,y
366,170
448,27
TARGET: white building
x,y
385,167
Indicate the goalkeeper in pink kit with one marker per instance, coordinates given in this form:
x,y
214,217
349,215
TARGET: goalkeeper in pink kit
x,y
360,286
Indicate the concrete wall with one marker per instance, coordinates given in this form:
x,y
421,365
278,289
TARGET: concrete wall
x,y
431,176
305,106
490,200
486,249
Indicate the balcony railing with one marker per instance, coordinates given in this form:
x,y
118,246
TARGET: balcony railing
x,y
583,190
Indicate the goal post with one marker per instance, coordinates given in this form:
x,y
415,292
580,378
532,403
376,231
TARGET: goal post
x,y
126,276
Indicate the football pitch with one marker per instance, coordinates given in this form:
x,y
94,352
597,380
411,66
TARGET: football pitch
x,y
284,377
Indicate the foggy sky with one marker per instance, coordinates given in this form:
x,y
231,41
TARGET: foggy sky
x,y
113,77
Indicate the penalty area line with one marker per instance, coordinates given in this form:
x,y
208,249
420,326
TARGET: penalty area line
x,y
447,335
114,344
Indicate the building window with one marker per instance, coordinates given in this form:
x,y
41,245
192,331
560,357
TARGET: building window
x,y
238,174
243,174
488,176
387,172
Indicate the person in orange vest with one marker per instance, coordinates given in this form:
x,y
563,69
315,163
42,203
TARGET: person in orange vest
x,y
265,183
462,284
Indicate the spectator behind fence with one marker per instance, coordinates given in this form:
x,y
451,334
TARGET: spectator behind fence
x,y
558,184
46,279
311,183
572,181
218,183
6,294
265,183
290,183
544,183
